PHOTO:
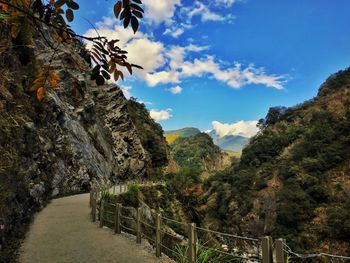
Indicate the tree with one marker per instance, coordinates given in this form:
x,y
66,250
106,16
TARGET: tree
x,y
25,16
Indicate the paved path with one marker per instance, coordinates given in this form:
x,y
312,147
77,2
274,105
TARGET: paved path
x,y
63,232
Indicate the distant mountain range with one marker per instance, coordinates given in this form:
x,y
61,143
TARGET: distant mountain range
x,y
233,143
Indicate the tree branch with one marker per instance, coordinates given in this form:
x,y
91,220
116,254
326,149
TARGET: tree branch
x,y
32,16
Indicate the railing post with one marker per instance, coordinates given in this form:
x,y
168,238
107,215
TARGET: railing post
x,y
158,236
101,212
266,244
120,188
192,242
138,226
118,209
281,255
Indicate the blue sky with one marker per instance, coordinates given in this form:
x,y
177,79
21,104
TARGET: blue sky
x,y
229,60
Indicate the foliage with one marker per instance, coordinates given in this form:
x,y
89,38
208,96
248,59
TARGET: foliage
x,y
24,18
171,136
298,149
204,255
151,134
194,151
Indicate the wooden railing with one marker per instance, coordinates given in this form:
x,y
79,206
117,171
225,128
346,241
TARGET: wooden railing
x,y
156,230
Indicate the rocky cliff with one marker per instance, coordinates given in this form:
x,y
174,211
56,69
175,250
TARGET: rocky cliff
x,y
78,135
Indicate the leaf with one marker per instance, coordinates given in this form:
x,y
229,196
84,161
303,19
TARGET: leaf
x,y
26,3
96,68
69,15
100,80
52,2
73,5
127,21
126,3
136,66
4,7
134,24
105,74
136,7
117,9
40,93
15,29
129,68
52,79
137,13
60,3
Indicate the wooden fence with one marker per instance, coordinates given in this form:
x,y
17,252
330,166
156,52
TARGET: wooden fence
x,y
156,231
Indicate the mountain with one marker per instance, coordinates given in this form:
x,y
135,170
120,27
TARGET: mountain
x,y
293,180
171,136
199,152
234,143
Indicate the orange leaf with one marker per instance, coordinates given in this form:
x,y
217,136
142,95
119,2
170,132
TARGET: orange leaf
x,y
26,3
54,75
40,93
52,2
4,7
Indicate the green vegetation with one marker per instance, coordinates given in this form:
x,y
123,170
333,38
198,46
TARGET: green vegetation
x,y
197,152
204,255
171,136
151,135
298,164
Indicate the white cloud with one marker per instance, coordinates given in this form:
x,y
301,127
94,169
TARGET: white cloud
x,y
175,90
195,48
161,115
242,128
174,32
202,10
158,11
163,64
235,76
225,2
162,77
142,50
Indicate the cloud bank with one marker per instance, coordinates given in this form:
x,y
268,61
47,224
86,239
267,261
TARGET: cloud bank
x,y
241,128
160,115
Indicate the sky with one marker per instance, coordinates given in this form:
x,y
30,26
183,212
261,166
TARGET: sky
x,y
221,64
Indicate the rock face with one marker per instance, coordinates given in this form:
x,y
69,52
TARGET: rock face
x,y
79,135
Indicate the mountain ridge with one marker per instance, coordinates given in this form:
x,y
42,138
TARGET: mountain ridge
x,y
232,143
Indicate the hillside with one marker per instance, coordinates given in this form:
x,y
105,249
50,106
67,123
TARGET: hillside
x,y
293,178
78,135
231,143
171,136
198,152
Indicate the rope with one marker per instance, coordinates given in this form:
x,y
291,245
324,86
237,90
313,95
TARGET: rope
x,y
126,217
304,256
172,235
228,235
127,228
174,221
147,224
147,237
